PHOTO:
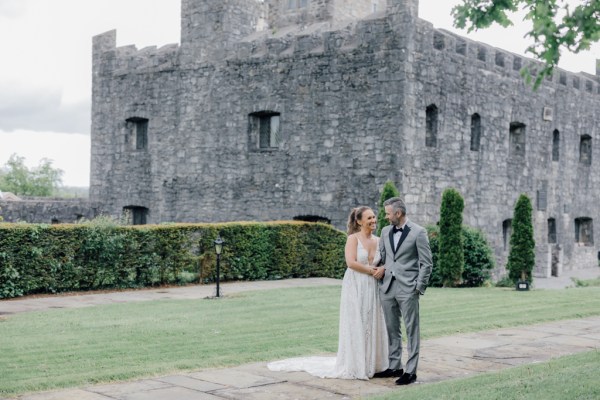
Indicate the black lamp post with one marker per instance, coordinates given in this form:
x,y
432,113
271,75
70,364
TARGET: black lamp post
x,y
218,249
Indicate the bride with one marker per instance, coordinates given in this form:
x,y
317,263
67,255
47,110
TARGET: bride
x,y
363,343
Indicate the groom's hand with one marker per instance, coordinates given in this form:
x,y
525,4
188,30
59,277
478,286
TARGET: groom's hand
x,y
379,272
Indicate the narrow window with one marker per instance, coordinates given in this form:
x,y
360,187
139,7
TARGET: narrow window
x,y
542,196
135,215
585,150
264,129
517,139
555,145
138,129
551,230
431,125
506,233
584,231
475,132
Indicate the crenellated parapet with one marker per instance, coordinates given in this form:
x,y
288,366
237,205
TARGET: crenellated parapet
x,y
493,59
110,59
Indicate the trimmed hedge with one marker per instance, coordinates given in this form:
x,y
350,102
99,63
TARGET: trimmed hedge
x,y
478,255
38,258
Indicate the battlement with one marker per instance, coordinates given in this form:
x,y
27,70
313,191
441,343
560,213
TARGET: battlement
x,y
127,59
493,59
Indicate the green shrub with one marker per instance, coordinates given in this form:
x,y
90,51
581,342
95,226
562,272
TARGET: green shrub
x,y
102,254
521,257
451,254
478,257
389,190
505,282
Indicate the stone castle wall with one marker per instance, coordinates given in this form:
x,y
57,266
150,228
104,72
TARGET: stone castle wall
x,y
47,211
352,104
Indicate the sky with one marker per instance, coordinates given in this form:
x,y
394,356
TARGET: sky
x,y
46,62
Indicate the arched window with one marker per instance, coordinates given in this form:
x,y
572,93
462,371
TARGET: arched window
x,y
431,125
475,132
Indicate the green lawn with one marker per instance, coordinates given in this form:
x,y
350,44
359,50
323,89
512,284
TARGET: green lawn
x,y
65,348
566,378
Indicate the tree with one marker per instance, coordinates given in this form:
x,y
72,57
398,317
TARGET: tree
x,y
555,26
451,251
389,190
41,181
521,258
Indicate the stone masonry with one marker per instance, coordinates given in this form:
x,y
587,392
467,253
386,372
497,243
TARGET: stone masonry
x,y
303,109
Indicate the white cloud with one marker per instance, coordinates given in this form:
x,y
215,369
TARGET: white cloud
x,y
69,152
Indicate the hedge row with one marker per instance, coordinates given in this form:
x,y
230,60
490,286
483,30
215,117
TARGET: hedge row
x,y
478,258
58,258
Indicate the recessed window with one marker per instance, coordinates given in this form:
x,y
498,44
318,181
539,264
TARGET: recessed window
x,y
138,130
542,196
551,230
475,132
135,215
517,139
585,150
555,145
264,129
506,233
431,125
584,231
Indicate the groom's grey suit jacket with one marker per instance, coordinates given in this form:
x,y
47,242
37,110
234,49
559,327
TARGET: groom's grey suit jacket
x,y
410,263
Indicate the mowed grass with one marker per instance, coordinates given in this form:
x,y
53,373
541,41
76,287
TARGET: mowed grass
x,y
67,348
572,377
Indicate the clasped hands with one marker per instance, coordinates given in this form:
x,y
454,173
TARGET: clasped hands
x,y
377,272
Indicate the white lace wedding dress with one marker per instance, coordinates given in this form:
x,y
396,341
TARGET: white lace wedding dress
x,y
363,343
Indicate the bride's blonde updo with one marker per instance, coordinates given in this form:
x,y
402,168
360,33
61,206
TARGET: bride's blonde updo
x,y
355,216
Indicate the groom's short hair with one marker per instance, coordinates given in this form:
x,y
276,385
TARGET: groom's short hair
x,y
397,204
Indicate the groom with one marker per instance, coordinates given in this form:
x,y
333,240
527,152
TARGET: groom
x,y
406,259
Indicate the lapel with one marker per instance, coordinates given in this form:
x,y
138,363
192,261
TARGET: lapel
x,y
405,232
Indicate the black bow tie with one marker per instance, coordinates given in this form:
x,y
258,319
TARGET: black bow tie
x,y
395,229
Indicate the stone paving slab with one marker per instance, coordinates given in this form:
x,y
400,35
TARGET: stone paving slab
x,y
120,390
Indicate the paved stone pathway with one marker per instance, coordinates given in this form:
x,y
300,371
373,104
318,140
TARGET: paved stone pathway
x,y
443,358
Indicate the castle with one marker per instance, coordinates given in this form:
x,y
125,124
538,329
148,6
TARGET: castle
x,y
303,109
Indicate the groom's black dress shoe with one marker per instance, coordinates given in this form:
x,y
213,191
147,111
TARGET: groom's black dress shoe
x,y
389,373
406,379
